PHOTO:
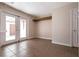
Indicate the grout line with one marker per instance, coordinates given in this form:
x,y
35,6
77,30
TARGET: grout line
x,y
11,51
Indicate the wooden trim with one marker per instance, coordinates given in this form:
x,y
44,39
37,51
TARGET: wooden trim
x,y
44,18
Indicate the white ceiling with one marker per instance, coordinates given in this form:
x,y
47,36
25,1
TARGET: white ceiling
x,y
37,8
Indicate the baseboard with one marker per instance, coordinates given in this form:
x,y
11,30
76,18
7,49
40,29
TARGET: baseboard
x,y
44,38
31,38
78,44
60,43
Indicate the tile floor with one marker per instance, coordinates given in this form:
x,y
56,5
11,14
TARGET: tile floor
x,y
37,48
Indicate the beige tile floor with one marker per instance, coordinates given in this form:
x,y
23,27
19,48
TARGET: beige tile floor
x,y
37,48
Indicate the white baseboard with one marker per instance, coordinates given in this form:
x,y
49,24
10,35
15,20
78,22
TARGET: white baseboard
x,y
30,37
78,44
45,38
60,43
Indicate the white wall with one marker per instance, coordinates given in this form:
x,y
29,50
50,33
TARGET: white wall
x,y
44,29
61,25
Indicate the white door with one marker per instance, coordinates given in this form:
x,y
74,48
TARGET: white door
x,y
75,28
8,26
12,28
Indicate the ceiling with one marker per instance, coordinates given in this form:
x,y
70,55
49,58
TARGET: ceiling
x,y
39,9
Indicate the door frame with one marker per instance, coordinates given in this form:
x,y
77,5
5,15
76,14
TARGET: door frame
x,y
17,25
3,17
24,38
75,44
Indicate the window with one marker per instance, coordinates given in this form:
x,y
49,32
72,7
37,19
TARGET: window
x,y
22,28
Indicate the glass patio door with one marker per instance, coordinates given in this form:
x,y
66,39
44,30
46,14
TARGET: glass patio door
x,y
22,28
13,28
10,28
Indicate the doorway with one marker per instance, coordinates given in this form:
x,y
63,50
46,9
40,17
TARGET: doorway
x,y
14,28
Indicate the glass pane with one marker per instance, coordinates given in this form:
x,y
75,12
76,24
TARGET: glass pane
x,y
22,28
10,28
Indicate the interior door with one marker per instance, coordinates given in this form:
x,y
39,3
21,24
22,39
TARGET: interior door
x,y
75,28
